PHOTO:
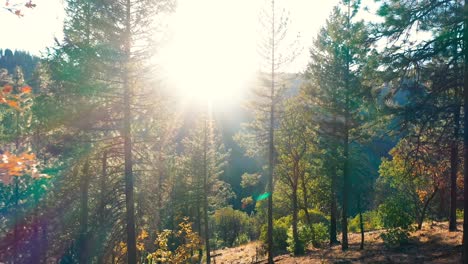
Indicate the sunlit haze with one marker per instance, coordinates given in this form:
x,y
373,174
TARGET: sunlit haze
x,y
211,53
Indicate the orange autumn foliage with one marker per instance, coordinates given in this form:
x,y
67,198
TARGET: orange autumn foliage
x,y
14,166
13,100
16,7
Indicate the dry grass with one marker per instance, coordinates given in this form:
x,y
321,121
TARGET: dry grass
x,y
433,244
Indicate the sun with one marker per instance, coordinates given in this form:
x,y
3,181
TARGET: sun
x,y
211,55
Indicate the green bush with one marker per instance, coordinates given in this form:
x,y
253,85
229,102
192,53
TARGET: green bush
x,y
242,239
315,217
395,237
232,226
396,216
280,233
371,219
396,212
316,235
319,234
303,233
459,214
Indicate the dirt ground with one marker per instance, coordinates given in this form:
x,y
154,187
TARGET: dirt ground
x,y
433,244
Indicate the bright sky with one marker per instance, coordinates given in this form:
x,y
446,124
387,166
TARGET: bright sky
x,y
36,30
212,43
230,20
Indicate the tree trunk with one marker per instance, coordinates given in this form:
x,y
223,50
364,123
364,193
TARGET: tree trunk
x,y
271,143
199,228
297,247
361,224
305,200
453,172
127,136
17,222
423,213
44,242
84,189
346,183
465,133
205,192
333,210
102,206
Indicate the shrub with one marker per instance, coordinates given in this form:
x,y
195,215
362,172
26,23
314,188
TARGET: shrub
x,y
459,214
231,225
315,217
303,233
188,242
395,212
395,237
396,215
280,233
315,235
371,219
319,234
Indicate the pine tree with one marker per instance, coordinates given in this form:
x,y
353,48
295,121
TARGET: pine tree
x,y
338,96
258,137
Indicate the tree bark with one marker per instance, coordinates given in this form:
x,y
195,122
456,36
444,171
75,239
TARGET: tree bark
x,y
127,136
271,143
333,210
423,213
305,200
102,206
346,180
16,223
205,192
84,189
361,223
454,171
297,246
465,133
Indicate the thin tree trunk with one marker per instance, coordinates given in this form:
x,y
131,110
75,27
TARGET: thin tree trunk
x,y
16,218
423,213
297,247
361,223
102,206
465,133
454,171
270,142
333,210
305,199
333,187
346,183
199,228
44,241
158,213
36,251
205,192
127,135
84,187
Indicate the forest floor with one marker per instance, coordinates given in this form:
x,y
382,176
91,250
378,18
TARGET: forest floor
x,y
432,244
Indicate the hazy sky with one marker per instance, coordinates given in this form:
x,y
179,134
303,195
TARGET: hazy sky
x,y
36,30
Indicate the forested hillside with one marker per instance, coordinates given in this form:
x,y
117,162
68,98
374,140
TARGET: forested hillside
x,y
108,157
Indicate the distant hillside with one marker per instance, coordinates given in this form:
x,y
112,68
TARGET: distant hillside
x,y
10,59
